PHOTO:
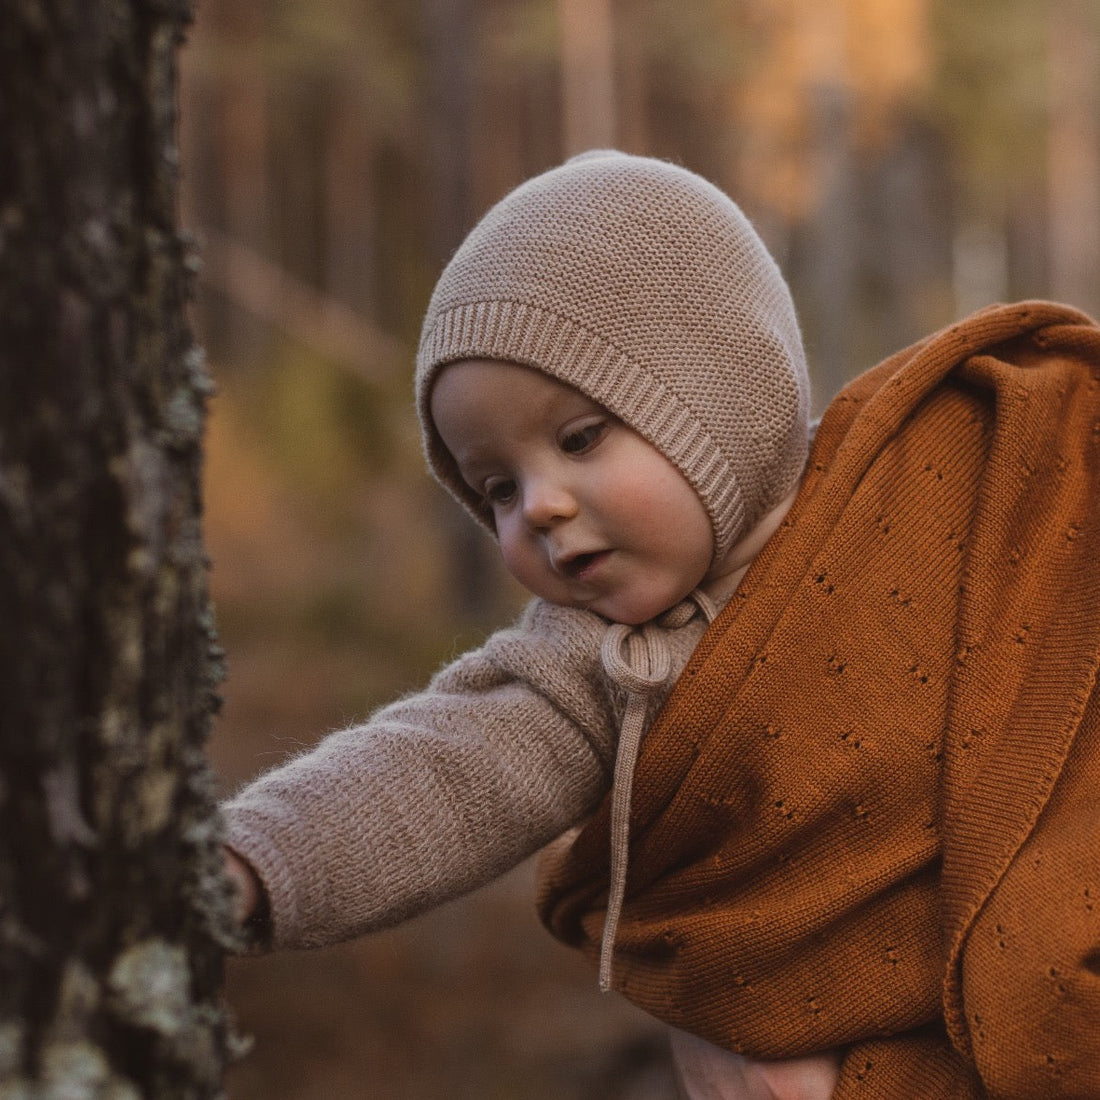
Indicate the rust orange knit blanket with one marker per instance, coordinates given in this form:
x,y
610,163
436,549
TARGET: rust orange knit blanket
x,y
869,815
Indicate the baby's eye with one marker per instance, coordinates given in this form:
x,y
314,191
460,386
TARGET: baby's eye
x,y
583,437
500,491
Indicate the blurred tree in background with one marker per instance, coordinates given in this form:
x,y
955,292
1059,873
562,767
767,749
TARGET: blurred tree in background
x,y
906,161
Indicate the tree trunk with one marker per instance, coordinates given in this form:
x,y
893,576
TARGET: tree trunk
x,y
587,30
449,125
112,901
1073,50
831,274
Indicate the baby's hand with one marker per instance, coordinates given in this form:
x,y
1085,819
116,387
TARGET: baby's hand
x,y
248,891
709,1073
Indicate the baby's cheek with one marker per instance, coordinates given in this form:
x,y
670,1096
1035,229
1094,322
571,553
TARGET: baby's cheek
x,y
522,562
510,553
671,508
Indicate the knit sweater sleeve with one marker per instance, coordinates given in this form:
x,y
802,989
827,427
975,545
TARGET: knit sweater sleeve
x,y
438,792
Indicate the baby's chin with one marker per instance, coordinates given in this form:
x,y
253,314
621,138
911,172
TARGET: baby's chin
x,y
631,612
626,607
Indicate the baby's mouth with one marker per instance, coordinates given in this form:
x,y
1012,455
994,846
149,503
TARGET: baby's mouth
x,y
579,566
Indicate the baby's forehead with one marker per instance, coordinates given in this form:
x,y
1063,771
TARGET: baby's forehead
x,y
488,380
480,407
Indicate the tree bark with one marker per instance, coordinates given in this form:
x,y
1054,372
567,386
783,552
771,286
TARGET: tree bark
x,y
113,906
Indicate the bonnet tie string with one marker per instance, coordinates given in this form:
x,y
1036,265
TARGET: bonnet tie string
x,y
638,660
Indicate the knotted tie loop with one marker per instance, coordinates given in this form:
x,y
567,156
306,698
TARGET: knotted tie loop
x,y
639,660
636,659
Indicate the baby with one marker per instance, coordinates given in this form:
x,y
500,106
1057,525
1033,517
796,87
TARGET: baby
x,y
611,380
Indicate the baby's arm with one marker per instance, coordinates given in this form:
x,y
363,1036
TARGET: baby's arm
x,y
435,795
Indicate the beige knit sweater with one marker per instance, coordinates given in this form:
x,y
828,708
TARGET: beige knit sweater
x,y
441,791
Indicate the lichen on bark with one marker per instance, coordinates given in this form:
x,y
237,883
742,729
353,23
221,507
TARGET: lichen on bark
x,y
114,912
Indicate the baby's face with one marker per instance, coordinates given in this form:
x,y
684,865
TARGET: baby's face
x,y
587,513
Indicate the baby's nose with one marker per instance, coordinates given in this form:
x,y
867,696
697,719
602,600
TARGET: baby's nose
x,y
547,502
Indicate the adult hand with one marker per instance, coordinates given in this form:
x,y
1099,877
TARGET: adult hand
x,y
708,1072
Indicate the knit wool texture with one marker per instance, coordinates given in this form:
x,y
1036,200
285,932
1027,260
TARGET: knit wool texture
x,y
643,286
870,806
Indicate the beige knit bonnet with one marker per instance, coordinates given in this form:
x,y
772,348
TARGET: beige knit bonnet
x,y
645,287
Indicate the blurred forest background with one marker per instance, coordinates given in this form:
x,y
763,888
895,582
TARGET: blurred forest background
x,y
905,160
